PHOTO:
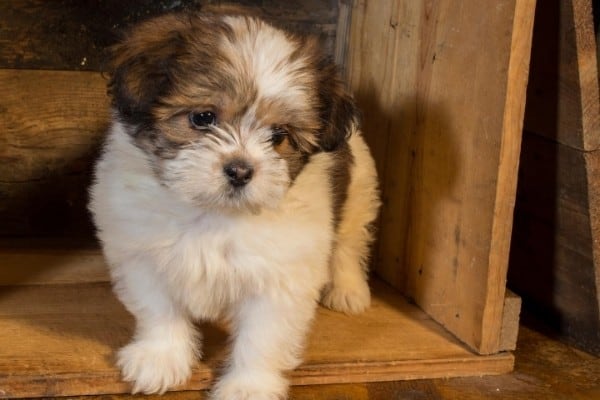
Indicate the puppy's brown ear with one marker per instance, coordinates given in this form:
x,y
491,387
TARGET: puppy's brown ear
x,y
142,66
338,111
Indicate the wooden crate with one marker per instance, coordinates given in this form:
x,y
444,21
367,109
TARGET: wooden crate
x,y
555,257
442,89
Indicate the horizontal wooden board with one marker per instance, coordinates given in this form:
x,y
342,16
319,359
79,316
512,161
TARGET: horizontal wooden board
x,y
59,340
52,125
51,266
74,35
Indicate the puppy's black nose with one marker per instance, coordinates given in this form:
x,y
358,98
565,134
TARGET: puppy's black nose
x,y
238,172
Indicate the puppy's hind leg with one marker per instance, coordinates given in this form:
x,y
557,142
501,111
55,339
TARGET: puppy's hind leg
x,y
348,290
163,349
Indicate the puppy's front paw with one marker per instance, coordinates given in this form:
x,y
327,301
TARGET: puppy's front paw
x,y
250,385
351,296
154,367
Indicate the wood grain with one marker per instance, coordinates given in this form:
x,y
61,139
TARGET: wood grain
x,y
74,35
43,266
52,124
59,340
555,262
552,256
446,139
563,103
510,321
545,370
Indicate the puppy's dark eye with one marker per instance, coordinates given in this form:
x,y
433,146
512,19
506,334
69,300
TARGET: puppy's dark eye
x,y
279,134
201,120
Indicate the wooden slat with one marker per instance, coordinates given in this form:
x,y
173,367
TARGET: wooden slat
x,y
49,266
552,255
592,161
73,35
563,103
59,340
510,321
555,257
446,139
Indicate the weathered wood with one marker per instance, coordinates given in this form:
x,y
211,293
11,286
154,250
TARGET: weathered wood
x,y
60,339
562,98
552,260
545,370
74,35
446,140
510,321
47,266
52,124
555,259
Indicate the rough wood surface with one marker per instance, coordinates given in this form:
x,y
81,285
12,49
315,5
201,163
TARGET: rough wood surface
x,y
446,140
59,339
47,266
73,35
555,258
510,321
555,238
52,124
545,369
562,98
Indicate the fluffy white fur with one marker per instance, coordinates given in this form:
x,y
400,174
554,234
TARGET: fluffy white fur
x,y
182,251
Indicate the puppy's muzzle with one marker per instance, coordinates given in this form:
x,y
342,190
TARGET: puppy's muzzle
x,y
238,172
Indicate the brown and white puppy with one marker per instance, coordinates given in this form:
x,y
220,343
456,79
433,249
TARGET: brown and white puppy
x,y
234,184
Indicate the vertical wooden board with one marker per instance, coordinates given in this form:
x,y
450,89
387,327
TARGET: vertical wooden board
x,y
441,87
381,44
552,263
564,75
556,240
510,322
592,161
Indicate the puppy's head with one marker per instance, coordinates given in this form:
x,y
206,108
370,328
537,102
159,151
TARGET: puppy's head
x,y
228,108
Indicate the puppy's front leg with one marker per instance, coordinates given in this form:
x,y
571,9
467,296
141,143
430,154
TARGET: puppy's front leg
x,y
163,349
269,336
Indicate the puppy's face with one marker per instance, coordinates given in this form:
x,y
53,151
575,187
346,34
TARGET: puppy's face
x,y
228,109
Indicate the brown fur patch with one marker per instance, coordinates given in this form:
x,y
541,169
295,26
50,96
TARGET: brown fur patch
x,y
294,157
175,64
340,179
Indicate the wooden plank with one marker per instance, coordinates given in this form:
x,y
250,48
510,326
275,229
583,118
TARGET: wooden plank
x,y
71,35
564,75
510,321
446,140
59,340
51,266
52,124
552,255
555,260
592,162
546,370
506,185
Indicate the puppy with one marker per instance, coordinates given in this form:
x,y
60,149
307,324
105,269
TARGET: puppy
x,y
234,185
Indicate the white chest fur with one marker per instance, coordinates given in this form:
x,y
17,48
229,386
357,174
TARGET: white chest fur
x,y
207,260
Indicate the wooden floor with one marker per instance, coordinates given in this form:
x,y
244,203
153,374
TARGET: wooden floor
x,y
545,370
60,325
